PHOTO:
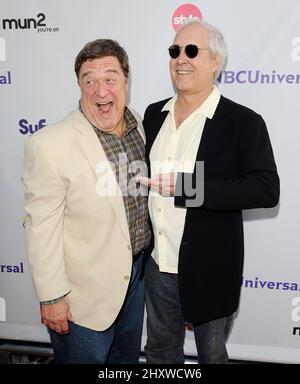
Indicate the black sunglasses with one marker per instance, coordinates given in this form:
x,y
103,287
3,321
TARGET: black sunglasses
x,y
191,50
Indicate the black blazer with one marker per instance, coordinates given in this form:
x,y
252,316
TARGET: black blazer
x,y
239,173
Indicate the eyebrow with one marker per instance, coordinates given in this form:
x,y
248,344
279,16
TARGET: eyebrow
x,y
107,71
112,71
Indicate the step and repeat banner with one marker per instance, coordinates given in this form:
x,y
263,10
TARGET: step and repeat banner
x,y
38,44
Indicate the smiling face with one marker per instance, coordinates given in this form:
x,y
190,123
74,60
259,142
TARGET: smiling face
x,y
193,76
104,90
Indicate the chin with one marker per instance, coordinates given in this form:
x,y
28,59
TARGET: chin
x,y
183,89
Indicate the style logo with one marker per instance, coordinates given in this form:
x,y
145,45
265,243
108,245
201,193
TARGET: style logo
x,y
2,309
183,13
296,315
28,128
37,23
2,49
295,55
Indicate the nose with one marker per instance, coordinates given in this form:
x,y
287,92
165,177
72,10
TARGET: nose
x,y
101,89
182,58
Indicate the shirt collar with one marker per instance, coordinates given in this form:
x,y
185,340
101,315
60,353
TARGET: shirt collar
x,y
130,121
207,108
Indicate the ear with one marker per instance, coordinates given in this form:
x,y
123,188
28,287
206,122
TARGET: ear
x,y
216,62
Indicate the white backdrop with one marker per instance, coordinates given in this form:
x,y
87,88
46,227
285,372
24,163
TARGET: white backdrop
x,y
38,43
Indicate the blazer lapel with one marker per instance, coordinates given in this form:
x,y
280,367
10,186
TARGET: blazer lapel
x,y
156,125
213,131
95,155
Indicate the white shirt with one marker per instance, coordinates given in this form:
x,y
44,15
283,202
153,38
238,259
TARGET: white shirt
x,y
175,150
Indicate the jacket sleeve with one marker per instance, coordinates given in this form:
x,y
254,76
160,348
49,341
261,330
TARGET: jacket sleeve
x,y
256,184
45,198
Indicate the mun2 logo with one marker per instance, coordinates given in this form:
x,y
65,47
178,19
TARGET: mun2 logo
x,y
38,23
24,23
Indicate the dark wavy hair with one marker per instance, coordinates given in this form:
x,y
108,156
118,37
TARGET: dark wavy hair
x,y
101,48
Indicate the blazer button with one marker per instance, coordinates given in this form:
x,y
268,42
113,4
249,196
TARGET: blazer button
x,y
128,247
126,277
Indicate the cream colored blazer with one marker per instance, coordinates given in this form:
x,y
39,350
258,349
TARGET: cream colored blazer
x,y
77,235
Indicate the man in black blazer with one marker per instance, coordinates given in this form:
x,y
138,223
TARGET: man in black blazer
x,y
195,272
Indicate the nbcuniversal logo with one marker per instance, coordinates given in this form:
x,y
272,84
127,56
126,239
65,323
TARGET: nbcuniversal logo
x,y
184,13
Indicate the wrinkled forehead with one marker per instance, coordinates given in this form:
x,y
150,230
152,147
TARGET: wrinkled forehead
x,y
193,33
101,64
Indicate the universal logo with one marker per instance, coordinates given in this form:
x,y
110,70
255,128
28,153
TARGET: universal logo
x,y
296,315
38,23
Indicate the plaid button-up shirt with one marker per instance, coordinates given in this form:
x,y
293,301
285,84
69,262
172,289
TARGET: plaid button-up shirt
x,y
127,154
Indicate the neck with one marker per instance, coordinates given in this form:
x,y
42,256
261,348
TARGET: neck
x,y
120,129
190,102
187,104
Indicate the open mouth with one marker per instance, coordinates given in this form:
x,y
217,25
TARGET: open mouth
x,y
105,107
183,72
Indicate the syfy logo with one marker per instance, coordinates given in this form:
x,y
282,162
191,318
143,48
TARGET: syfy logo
x,y
296,315
27,128
2,309
2,49
183,13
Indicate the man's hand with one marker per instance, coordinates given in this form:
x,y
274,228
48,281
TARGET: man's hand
x,y
163,183
56,316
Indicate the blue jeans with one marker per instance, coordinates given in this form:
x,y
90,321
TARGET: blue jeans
x,y
119,344
166,324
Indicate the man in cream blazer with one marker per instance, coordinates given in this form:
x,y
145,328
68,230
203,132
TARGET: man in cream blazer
x,y
85,236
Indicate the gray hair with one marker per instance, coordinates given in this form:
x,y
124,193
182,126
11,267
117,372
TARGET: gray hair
x,y
216,43
102,48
